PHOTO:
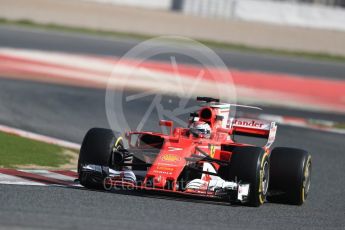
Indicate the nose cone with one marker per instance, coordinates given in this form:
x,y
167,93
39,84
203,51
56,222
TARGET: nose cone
x,y
169,163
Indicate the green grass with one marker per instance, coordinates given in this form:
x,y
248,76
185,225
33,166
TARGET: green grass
x,y
211,44
339,125
308,55
51,26
17,151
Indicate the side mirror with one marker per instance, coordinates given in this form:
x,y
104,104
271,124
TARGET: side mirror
x,y
166,123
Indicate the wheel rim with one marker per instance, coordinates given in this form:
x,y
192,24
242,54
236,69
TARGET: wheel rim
x,y
118,144
307,178
265,178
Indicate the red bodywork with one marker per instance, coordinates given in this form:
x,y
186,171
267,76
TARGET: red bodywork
x,y
178,148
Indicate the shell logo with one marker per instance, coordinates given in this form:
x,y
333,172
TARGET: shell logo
x,y
170,157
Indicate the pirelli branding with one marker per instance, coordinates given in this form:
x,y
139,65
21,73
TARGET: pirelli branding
x,y
171,158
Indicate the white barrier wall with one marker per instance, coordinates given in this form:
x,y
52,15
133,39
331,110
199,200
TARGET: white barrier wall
x,y
284,13
151,4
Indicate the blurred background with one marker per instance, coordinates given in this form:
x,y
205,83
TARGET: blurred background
x,y
56,57
286,55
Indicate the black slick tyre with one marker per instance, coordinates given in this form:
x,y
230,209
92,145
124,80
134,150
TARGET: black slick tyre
x,y
249,164
290,175
96,149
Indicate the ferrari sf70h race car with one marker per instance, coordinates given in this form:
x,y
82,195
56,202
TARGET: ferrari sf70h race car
x,y
203,159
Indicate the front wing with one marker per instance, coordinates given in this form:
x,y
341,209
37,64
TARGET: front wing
x,y
127,179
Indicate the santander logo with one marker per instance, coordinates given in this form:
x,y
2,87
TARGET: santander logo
x,y
250,123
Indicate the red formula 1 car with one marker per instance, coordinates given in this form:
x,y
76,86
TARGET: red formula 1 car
x,y
202,160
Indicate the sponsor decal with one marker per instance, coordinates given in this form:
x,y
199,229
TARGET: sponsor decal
x,y
171,157
248,123
166,164
162,168
162,172
174,149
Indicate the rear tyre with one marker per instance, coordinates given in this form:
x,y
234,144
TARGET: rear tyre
x,y
97,148
290,175
249,164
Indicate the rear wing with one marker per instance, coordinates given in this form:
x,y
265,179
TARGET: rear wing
x,y
255,128
241,126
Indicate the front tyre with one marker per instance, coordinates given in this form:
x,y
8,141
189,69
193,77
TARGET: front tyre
x,y
249,165
290,175
96,149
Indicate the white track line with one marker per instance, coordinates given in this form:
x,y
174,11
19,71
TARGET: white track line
x,y
8,179
49,174
17,180
328,126
39,137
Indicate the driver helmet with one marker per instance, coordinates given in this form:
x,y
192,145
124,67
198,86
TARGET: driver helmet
x,y
200,129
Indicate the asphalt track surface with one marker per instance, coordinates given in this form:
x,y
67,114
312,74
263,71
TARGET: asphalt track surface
x,y
67,112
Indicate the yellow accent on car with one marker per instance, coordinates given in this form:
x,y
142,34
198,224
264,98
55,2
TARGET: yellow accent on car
x,y
117,141
171,157
305,175
261,198
212,150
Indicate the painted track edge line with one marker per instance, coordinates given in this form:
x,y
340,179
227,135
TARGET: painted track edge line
x,y
303,123
39,137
